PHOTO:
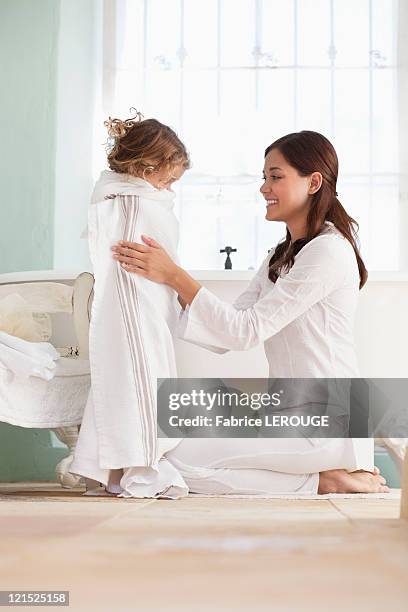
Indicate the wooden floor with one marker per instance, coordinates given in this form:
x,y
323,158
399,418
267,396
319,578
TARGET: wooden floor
x,y
204,554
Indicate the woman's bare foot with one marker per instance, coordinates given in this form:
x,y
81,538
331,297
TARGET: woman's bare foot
x,y
113,485
341,481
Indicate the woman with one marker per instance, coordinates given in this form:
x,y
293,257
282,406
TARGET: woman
x,y
132,322
301,303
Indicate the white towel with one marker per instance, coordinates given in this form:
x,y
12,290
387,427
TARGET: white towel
x,y
47,297
130,343
18,319
27,358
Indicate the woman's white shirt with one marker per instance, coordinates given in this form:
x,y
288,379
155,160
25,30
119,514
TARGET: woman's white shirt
x,y
305,319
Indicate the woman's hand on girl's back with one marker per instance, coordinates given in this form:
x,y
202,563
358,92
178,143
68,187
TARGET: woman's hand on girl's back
x,y
149,260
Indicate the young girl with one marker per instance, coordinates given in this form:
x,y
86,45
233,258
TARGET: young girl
x,y
301,304
132,320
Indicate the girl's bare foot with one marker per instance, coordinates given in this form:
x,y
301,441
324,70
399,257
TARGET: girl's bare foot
x,y
113,485
341,481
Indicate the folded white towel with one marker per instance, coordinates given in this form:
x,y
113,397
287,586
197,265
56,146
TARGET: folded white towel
x,y
27,358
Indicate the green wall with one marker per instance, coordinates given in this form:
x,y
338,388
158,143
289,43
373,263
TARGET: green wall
x,y
27,454
28,57
28,52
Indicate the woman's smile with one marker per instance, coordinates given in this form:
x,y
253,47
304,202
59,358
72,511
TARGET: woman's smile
x,y
271,202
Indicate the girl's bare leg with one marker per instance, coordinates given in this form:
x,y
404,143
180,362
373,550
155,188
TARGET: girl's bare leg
x,y
341,481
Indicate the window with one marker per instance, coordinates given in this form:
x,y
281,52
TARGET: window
x,y
230,76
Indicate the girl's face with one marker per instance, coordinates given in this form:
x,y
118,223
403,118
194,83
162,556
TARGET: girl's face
x,y
164,179
287,193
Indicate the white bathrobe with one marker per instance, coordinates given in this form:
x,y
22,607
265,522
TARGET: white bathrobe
x,y
131,343
305,321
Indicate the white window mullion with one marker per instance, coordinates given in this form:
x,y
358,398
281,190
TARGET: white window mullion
x,y
332,54
295,68
145,39
370,122
182,54
257,48
401,19
181,57
219,57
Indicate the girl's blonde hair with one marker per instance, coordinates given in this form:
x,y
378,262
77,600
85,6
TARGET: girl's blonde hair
x,y
138,146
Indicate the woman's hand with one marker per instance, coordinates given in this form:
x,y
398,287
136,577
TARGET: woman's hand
x,y
149,260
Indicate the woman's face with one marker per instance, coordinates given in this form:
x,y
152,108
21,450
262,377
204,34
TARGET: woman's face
x,y
286,192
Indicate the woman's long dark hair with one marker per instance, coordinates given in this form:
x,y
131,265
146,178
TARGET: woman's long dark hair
x,y
310,152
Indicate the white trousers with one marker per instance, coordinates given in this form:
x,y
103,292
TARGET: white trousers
x,y
266,465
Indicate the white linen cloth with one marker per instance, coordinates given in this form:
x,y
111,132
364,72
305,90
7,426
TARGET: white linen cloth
x,y
130,344
39,403
306,321
25,308
25,358
47,297
17,318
